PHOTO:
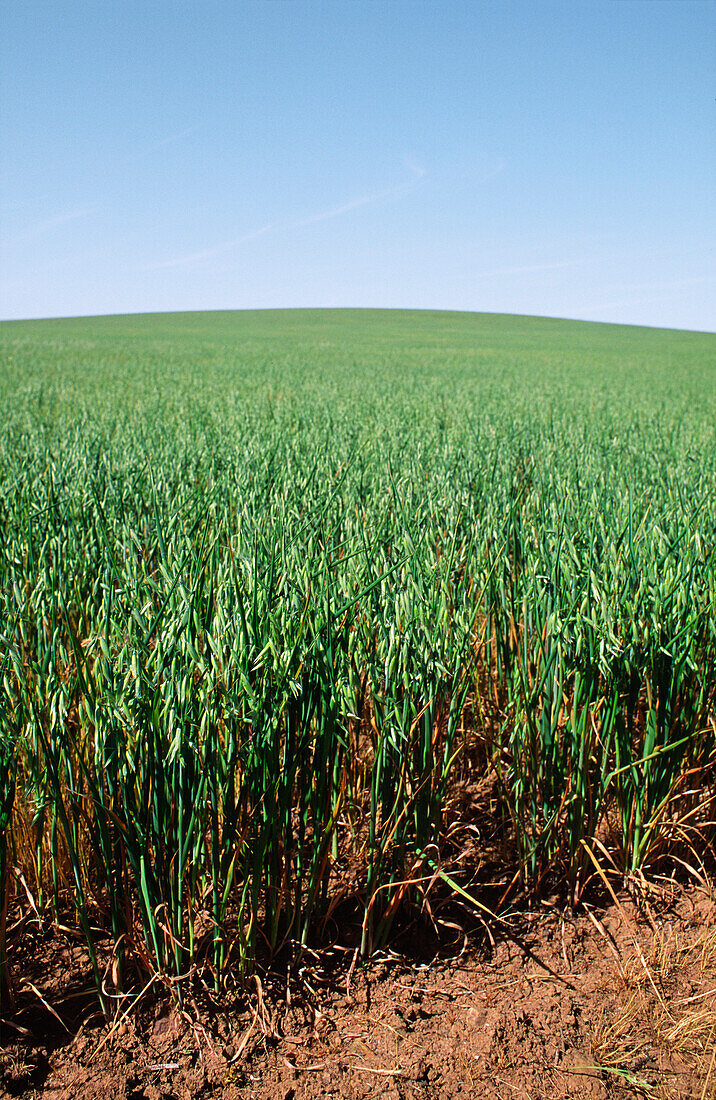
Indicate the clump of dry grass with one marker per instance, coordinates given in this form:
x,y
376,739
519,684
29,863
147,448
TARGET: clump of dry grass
x,y
660,1036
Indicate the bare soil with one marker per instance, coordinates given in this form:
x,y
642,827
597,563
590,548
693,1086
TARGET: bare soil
x,y
617,1001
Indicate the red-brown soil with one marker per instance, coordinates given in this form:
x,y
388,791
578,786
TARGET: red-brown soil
x,y
619,1003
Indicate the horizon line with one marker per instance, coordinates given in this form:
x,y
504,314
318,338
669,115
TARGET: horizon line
x,y
350,309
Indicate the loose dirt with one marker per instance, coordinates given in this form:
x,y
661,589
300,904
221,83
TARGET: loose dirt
x,y
618,1001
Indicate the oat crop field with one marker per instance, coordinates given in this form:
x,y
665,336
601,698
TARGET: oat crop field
x,y
273,585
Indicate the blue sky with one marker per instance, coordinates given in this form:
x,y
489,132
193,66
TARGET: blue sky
x,y
519,157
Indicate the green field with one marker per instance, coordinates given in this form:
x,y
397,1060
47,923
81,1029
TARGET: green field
x,y
272,583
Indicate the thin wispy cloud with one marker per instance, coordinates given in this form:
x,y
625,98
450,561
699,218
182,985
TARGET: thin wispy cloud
x,y
346,207
48,225
672,284
364,200
415,168
312,219
496,169
665,290
209,253
61,219
174,137
147,150
528,269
